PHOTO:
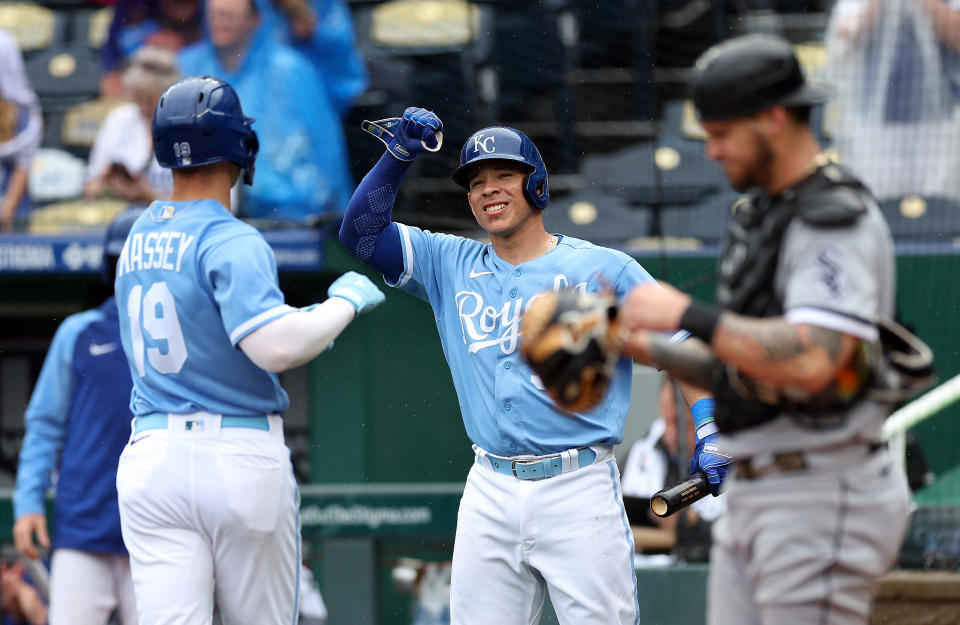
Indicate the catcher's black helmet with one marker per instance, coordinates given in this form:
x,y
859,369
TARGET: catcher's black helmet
x,y
748,74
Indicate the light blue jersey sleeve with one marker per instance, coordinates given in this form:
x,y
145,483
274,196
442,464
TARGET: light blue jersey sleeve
x,y
46,418
427,256
242,275
631,274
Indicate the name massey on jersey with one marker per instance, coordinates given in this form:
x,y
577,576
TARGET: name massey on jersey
x,y
154,250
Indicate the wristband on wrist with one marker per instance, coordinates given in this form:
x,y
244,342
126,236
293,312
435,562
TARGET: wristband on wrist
x,y
702,413
701,320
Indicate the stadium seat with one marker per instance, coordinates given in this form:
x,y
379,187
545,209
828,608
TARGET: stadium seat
x,y
91,26
423,26
65,75
70,216
679,119
705,221
82,121
34,27
918,219
597,217
670,170
55,175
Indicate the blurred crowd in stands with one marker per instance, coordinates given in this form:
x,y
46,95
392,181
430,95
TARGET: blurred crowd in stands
x,y
75,117
295,64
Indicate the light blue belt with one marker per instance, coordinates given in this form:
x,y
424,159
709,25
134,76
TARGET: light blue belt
x,y
539,469
159,421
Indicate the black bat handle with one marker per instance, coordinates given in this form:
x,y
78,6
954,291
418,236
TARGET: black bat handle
x,y
679,496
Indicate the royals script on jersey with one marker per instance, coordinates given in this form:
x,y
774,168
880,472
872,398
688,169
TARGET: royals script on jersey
x,y
478,300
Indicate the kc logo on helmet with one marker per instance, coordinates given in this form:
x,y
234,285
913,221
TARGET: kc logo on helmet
x,y
479,143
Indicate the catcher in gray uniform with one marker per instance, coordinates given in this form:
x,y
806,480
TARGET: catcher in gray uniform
x,y
796,353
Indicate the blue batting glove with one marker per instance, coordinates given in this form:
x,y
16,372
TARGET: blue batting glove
x,y
707,456
358,290
416,132
715,464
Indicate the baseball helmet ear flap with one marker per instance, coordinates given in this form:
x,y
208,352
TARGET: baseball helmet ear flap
x,y
251,144
537,186
508,144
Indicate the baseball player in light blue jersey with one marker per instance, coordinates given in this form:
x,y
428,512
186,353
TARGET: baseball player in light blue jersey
x,y
542,508
208,502
76,426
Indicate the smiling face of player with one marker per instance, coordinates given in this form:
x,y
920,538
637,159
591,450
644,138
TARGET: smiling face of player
x,y
495,195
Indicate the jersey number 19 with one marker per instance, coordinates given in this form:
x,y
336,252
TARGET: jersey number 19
x,y
161,323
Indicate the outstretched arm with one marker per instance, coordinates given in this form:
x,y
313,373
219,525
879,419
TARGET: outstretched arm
x,y
368,230
690,361
297,338
692,364
772,350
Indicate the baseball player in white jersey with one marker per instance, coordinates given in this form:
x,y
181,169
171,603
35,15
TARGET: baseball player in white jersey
x,y
542,508
816,507
208,502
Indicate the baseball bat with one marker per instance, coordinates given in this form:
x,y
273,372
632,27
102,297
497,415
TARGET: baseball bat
x,y
679,496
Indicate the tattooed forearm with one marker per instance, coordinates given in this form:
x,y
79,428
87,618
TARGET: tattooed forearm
x,y
690,361
776,339
776,351
829,340
768,339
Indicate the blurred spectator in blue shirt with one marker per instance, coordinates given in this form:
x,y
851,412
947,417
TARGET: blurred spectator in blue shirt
x,y
76,425
170,24
21,130
302,171
322,30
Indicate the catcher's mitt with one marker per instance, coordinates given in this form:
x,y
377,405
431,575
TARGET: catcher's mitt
x,y
572,341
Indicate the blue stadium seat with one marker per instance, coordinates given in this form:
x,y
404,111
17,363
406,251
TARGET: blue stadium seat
x,y
597,217
90,26
64,75
922,219
705,221
670,170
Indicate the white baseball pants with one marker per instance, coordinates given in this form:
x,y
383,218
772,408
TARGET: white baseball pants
x,y
85,588
567,534
210,513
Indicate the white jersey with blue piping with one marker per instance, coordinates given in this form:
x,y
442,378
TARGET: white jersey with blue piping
x,y
192,281
478,300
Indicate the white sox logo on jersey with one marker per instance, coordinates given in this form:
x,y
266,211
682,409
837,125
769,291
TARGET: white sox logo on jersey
x,y
479,143
485,326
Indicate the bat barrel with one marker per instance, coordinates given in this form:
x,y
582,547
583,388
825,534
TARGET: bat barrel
x,y
679,496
